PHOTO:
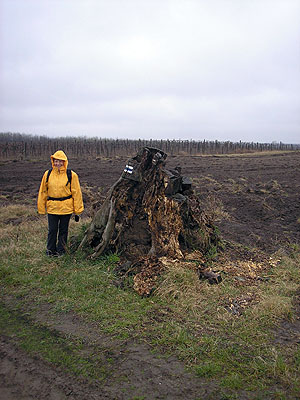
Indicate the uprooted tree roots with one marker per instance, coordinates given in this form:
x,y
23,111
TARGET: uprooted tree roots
x,y
151,213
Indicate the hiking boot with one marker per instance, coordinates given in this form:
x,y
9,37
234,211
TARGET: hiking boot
x,y
60,254
50,253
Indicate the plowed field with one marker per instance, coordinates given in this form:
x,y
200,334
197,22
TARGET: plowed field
x,y
259,193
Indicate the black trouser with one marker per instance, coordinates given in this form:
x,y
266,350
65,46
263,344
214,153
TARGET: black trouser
x,y
57,224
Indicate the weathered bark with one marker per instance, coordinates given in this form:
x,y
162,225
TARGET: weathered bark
x,y
150,212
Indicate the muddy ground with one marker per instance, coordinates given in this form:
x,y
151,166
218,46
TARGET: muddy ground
x,y
257,199
260,193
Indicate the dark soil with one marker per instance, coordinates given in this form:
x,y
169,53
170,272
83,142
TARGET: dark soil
x,y
137,372
257,202
260,192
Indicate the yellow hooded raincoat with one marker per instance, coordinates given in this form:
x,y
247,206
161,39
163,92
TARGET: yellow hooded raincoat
x,y
56,187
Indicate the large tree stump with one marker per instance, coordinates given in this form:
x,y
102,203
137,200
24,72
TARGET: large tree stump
x,y
150,212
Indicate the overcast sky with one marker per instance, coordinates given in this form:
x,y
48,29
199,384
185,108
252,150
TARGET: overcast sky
x,y
177,69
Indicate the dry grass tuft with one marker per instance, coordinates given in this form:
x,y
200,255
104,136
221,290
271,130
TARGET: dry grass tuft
x,y
274,306
93,198
214,209
180,282
17,214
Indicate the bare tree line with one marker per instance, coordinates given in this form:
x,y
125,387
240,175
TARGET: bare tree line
x,y
22,146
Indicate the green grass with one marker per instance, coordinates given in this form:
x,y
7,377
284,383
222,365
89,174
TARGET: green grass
x,y
184,316
61,351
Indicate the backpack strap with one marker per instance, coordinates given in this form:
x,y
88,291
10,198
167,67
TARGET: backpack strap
x,y
48,174
69,175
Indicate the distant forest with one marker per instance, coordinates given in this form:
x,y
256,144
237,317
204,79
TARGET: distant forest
x,y
21,146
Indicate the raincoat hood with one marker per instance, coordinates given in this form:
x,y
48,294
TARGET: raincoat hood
x,y
60,155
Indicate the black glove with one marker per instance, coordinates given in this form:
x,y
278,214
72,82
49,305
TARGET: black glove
x,y
76,218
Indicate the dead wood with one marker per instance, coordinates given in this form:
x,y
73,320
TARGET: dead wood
x,y
150,212
213,277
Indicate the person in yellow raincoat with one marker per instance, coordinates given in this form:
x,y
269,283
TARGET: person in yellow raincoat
x,y
59,196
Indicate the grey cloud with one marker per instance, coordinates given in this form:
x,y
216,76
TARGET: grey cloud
x,y
222,70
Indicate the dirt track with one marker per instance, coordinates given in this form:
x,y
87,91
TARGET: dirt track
x,y
261,197
137,372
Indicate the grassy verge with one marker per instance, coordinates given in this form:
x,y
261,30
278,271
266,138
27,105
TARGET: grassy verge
x,y
226,333
61,351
